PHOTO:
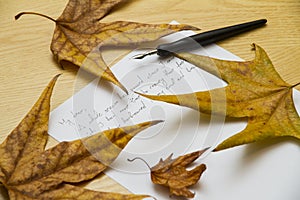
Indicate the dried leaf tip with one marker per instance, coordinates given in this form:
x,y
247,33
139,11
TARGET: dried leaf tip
x,y
56,76
53,81
154,122
122,87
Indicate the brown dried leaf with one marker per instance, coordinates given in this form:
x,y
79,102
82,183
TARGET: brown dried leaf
x,y
79,31
27,171
173,174
255,90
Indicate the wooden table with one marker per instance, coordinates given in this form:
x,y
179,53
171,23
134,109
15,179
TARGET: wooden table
x,y
27,63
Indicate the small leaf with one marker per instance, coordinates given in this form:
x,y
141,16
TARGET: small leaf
x,y
255,91
172,173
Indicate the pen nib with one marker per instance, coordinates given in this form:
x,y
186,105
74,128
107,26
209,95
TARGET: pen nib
x,y
141,56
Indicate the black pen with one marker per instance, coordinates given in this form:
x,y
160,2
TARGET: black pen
x,y
202,39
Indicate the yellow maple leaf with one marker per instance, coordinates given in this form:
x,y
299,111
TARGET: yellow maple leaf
x,y
255,91
28,171
79,31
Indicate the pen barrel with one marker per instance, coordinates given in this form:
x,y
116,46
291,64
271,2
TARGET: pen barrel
x,y
205,38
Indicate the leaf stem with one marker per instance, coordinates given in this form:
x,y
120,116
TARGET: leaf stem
x,y
139,158
33,13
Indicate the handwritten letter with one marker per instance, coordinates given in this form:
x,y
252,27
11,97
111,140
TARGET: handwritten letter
x,y
100,106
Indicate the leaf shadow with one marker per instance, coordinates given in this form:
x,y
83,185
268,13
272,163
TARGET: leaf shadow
x,y
67,66
165,192
256,150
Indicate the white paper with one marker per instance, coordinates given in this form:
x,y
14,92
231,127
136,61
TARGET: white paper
x,y
267,170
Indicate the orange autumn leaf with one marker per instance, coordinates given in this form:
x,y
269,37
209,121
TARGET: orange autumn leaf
x,y
255,91
79,31
172,173
28,171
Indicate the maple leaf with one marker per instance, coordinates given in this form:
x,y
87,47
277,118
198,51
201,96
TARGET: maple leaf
x,y
255,91
79,31
28,171
172,173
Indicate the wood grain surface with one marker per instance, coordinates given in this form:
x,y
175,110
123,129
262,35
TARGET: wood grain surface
x,y
27,63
